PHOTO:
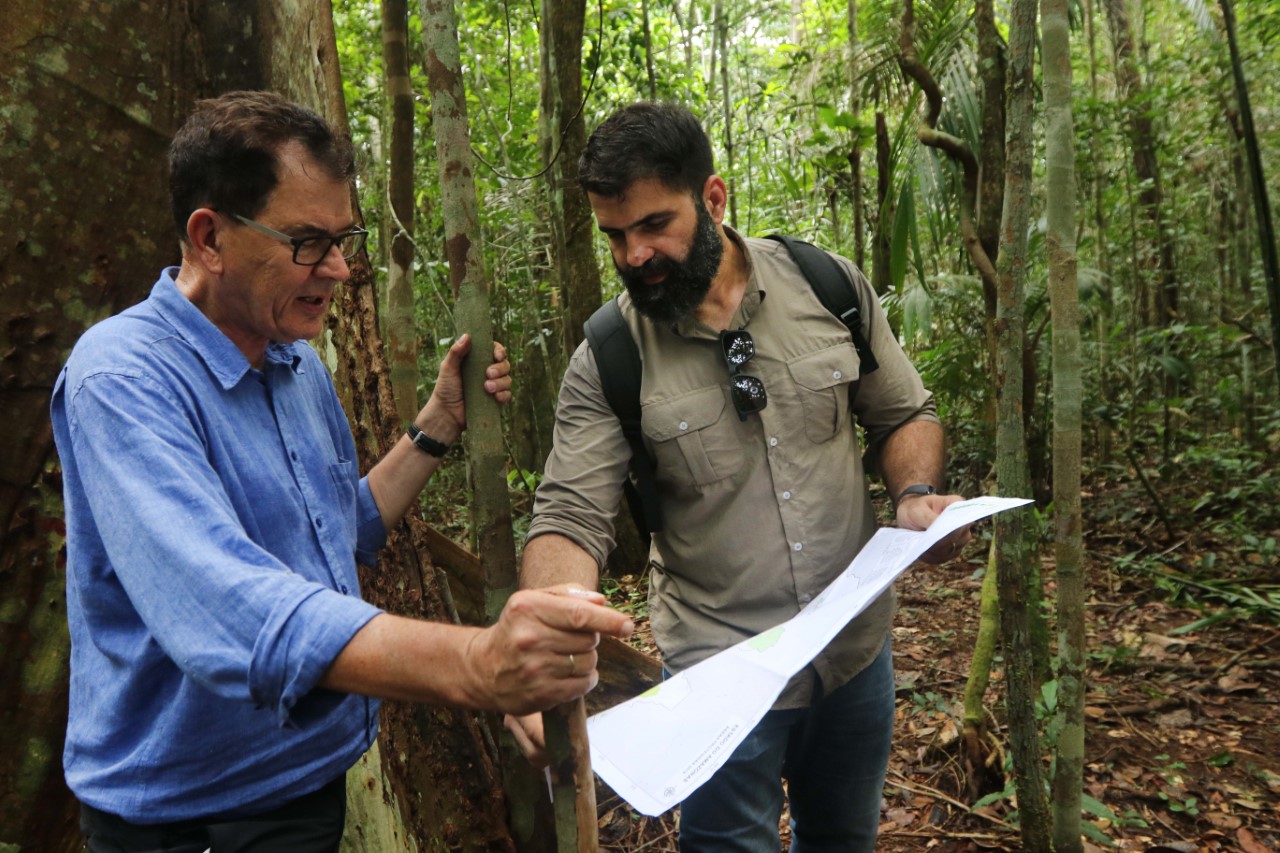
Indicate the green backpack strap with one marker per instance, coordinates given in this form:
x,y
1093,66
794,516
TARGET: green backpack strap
x,y
618,360
834,289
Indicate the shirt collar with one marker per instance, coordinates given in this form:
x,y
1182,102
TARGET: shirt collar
x,y
751,297
220,355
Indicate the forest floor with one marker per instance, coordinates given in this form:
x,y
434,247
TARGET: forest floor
x,y
1182,710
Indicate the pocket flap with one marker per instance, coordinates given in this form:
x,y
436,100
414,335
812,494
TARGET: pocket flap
x,y
818,371
680,416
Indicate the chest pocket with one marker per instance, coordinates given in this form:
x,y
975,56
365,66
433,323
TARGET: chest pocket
x,y
694,442
825,382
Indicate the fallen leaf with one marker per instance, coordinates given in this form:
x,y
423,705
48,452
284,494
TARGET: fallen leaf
x,y
1249,844
1179,719
1222,820
1235,681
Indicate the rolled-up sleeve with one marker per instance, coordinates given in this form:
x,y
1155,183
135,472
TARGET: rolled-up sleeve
x,y
894,395
582,488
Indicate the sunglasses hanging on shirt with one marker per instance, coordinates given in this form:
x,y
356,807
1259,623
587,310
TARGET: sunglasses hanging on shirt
x,y
747,392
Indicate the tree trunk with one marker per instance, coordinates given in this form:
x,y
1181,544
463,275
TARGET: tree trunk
x,y
1015,553
993,69
1068,775
1158,261
491,509
648,51
402,337
110,86
563,138
952,146
882,234
1266,231
855,147
111,240
722,47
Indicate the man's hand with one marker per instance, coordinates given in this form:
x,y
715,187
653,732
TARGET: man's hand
x,y
528,734
448,389
917,512
542,650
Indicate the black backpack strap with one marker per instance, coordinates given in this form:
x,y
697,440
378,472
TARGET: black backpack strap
x,y
834,289
618,360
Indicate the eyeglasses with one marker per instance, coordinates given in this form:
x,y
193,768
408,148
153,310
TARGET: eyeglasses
x,y
747,392
311,251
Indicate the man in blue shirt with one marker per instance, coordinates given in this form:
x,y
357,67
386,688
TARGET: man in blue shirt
x,y
225,672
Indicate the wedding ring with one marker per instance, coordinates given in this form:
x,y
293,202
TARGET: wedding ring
x,y
573,667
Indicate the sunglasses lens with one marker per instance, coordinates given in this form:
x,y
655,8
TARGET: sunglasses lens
x,y
738,347
748,394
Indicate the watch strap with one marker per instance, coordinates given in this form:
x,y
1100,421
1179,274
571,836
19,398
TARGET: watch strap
x,y
916,489
426,443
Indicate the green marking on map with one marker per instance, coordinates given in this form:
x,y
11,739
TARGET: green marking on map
x,y
767,640
651,692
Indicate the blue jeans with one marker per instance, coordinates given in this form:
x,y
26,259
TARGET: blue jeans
x,y
833,756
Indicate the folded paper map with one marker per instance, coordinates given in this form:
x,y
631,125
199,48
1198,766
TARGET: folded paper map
x,y
657,748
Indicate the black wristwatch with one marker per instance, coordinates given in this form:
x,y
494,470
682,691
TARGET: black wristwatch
x,y
917,489
426,443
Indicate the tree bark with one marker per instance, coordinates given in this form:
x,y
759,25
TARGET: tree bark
x,y
855,146
953,147
1068,766
1159,259
81,85
1266,231
402,336
882,233
492,536
112,238
1014,550
722,43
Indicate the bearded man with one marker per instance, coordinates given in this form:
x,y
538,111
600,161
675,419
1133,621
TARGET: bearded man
x,y
745,412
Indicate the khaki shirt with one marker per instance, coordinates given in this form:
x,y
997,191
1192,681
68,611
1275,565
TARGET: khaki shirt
x,y
759,515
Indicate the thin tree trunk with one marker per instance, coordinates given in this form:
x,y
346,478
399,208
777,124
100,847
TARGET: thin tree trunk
x,y
993,70
1015,553
1158,261
1103,325
491,510
855,147
882,235
402,338
563,138
648,51
722,42
1266,231
1068,776
953,147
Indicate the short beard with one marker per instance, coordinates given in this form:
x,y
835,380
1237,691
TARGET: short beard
x,y
687,282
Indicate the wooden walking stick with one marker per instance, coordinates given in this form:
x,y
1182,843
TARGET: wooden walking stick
x,y
573,785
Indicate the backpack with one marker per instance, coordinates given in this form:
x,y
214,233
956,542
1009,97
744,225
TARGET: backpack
x,y
618,360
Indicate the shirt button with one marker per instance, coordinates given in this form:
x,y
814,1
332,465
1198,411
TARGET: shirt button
x,y
799,546
319,522
805,598
294,456
786,496
773,442
684,425
343,588
836,375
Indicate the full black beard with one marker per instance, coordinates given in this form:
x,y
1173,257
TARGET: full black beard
x,y
679,294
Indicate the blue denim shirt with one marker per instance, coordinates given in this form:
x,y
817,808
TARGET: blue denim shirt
x,y
214,518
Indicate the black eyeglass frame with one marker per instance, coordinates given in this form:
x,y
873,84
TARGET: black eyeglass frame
x,y
300,243
747,392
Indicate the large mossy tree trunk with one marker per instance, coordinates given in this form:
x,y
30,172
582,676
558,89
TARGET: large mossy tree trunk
x,y
90,94
83,84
